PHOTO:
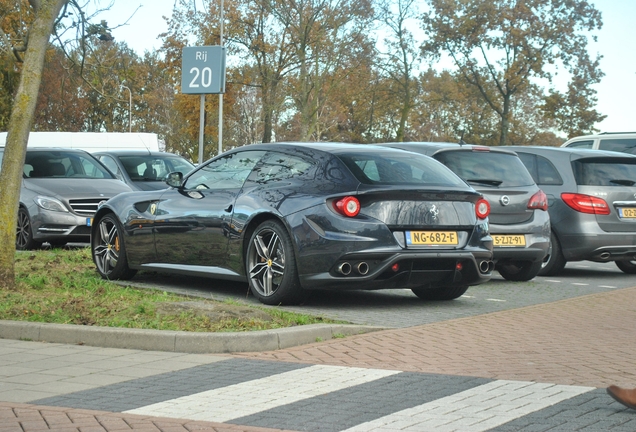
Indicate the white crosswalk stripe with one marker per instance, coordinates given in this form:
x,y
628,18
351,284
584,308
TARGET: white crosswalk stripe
x,y
478,409
239,400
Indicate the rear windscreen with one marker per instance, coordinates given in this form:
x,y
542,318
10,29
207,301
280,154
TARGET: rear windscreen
x,y
399,168
605,171
500,169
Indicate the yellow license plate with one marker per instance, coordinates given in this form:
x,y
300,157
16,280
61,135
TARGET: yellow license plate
x,y
509,240
431,238
627,212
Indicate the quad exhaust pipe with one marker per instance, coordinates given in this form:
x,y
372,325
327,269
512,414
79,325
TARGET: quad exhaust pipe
x,y
362,268
486,266
344,268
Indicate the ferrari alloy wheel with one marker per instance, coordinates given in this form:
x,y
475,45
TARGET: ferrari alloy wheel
x,y
271,266
108,250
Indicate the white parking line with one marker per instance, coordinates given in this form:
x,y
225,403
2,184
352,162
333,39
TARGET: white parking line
x,y
478,409
553,280
496,300
239,400
607,286
579,283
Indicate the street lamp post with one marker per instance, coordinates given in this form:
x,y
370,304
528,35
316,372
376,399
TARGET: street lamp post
x,y
129,107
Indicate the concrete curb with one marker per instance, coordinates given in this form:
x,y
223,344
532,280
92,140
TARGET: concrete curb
x,y
178,341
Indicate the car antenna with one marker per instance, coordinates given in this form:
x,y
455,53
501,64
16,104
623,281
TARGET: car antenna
x,y
461,139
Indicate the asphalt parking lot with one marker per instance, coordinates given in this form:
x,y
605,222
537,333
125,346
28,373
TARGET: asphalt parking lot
x,y
401,308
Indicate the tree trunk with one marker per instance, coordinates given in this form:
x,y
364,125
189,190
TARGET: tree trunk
x,y
505,120
46,12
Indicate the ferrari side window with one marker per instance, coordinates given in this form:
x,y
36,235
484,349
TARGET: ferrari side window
x,y
280,166
227,172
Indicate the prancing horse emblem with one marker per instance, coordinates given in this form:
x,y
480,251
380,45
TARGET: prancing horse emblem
x,y
434,212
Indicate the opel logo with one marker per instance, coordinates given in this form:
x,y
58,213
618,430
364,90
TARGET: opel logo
x,y
504,200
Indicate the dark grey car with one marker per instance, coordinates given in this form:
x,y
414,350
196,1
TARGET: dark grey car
x,y
519,221
61,190
592,204
142,169
288,218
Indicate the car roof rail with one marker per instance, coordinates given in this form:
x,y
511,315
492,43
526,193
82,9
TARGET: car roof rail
x,y
616,133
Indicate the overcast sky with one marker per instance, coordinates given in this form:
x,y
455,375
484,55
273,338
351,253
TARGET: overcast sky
x,y
616,92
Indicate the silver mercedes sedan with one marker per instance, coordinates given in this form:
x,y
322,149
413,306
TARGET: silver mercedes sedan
x,y
61,190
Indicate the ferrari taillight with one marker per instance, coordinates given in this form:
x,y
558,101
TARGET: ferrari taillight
x,y
482,208
348,206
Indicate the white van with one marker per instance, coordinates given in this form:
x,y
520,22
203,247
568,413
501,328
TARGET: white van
x,y
614,141
92,141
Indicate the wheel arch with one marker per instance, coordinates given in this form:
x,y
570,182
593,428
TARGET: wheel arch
x,y
254,223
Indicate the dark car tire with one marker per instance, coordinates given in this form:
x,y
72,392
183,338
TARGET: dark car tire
x,y
442,293
24,232
109,251
57,243
628,267
519,271
555,262
271,268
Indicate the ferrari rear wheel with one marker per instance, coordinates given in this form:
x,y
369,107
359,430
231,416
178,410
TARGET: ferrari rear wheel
x,y
109,251
441,293
271,266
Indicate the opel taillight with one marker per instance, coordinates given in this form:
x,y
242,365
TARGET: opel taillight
x,y
539,201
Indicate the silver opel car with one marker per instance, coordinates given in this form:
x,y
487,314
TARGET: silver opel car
x,y
519,221
592,204
61,190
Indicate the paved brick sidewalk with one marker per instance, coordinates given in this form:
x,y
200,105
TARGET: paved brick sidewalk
x,y
33,418
588,341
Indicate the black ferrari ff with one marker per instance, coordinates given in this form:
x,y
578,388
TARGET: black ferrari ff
x,y
288,218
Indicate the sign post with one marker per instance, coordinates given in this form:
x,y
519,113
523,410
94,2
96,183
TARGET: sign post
x,y
203,72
